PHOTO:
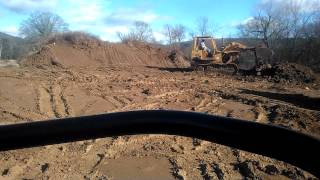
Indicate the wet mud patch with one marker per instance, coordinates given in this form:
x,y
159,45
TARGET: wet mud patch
x,y
136,168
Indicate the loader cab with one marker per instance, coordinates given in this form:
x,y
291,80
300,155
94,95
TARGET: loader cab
x,y
199,53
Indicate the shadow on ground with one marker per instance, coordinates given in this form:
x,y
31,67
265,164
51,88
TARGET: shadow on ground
x,y
299,100
176,69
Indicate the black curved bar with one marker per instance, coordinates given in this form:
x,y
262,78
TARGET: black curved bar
x,y
286,145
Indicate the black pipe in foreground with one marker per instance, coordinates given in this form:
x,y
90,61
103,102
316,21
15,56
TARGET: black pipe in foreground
x,y
292,147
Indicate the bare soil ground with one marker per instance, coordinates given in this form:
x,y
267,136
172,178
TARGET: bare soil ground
x,y
33,93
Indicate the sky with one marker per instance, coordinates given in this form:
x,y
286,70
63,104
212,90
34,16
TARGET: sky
x,y
104,18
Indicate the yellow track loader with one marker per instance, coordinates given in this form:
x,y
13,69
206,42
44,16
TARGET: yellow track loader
x,y
227,59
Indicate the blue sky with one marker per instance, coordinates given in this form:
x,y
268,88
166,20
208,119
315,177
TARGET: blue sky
x,y
106,17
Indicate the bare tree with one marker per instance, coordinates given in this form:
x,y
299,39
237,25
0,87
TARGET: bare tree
x,y
167,32
278,20
124,37
203,26
288,27
140,31
143,31
265,25
174,34
41,25
179,33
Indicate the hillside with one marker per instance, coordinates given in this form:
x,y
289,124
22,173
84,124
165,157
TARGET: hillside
x,y
12,47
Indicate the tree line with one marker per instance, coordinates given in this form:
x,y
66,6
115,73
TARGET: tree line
x,y
290,28
173,33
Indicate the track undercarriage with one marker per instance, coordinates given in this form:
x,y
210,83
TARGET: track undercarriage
x,y
211,66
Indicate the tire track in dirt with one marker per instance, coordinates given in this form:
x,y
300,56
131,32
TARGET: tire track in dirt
x,y
206,104
298,100
59,103
177,170
210,171
204,171
52,102
18,112
168,94
23,115
68,108
87,106
44,101
120,100
15,115
113,100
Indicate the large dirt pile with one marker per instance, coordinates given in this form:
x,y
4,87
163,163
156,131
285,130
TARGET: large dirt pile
x,y
293,73
79,50
45,57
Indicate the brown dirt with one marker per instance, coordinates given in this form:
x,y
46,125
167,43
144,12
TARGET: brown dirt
x,y
31,93
292,73
91,53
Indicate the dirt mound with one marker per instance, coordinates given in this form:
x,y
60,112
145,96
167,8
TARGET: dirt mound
x,y
293,73
41,59
80,50
177,57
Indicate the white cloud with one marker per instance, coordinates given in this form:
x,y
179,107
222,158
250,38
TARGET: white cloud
x,y
22,6
122,20
85,11
122,29
235,24
295,1
159,36
11,30
110,33
97,17
247,20
99,12
306,5
94,16
128,16
89,16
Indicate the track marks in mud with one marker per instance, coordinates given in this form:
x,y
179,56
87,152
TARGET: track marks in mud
x,y
59,103
168,94
285,109
177,171
117,101
298,100
52,102
17,113
206,104
67,107
13,114
44,101
122,100
210,171
236,97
